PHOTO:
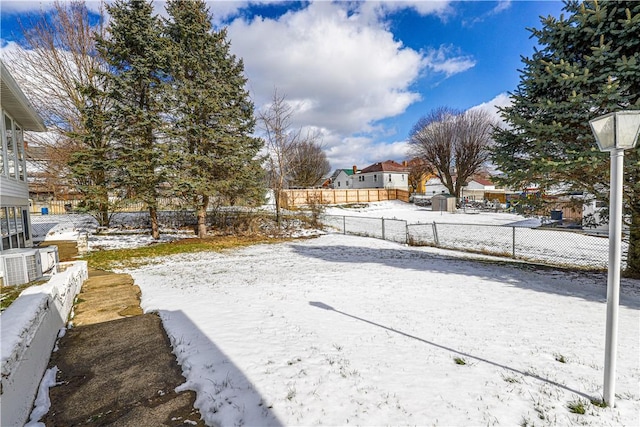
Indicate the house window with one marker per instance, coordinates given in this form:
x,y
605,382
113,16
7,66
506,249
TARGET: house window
x,y
389,177
4,222
14,226
20,151
12,220
11,143
338,183
3,150
375,178
25,220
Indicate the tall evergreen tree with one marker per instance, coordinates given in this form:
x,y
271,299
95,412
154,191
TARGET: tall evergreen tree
x,y
135,53
212,115
588,65
93,164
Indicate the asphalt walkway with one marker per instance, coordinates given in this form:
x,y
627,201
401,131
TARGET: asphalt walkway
x,y
115,364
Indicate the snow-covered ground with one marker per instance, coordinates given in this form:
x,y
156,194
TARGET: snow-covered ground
x,y
486,232
341,330
348,330
395,209
68,227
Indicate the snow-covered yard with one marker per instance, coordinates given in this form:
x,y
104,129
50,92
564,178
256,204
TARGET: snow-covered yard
x,y
492,233
341,330
349,330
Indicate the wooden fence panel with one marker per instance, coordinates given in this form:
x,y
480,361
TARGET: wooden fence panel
x,y
297,198
289,199
59,207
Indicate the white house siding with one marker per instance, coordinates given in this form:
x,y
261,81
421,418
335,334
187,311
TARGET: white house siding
x,y
342,181
14,197
16,116
434,186
475,185
390,180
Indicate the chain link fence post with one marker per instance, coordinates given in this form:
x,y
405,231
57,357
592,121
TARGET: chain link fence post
x,y
435,234
406,227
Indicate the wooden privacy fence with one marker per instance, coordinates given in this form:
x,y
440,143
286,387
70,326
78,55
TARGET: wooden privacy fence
x,y
296,198
289,199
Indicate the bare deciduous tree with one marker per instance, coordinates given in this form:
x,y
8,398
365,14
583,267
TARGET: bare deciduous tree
x,y
57,67
453,144
309,164
418,171
275,123
285,146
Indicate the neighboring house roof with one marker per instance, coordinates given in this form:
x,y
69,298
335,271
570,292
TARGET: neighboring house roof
x,y
387,166
16,104
483,181
337,172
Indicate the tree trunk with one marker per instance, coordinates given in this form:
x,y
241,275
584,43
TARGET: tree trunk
x,y
276,194
153,214
102,198
633,255
103,215
202,217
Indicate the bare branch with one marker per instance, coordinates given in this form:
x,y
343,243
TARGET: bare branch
x,y
453,144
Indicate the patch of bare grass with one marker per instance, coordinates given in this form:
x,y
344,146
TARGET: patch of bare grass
x,y
136,257
8,294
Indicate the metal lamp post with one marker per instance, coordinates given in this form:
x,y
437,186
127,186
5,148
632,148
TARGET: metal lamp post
x,y
614,132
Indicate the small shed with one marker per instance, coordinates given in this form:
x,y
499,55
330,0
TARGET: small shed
x,y
443,202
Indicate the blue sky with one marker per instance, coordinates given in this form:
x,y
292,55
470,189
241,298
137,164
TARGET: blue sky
x,y
362,73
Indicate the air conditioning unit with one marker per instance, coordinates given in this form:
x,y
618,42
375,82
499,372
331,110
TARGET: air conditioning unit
x,y
49,259
20,266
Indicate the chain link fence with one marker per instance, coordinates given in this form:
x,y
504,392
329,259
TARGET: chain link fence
x,y
394,230
236,219
560,247
41,225
549,246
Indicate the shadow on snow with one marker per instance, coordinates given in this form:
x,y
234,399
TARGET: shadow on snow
x,y
591,286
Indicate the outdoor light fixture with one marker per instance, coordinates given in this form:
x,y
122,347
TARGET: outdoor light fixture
x,y
614,132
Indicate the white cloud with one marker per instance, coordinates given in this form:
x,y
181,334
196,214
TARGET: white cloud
x,y
375,10
363,151
347,74
502,6
27,6
13,6
447,60
501,100
342,70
